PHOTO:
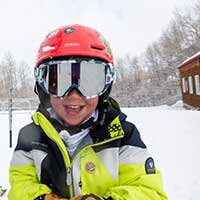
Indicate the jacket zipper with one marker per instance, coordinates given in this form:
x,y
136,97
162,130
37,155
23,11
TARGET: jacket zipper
x,y
69,176
68,169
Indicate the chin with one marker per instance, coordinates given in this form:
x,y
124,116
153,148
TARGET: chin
x,y
72,123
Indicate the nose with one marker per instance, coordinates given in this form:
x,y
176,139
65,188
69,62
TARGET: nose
x,y
74,94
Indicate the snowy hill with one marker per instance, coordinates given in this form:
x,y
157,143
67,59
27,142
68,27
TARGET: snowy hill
x,y
171,134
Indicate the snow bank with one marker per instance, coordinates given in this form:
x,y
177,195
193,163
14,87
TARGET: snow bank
x,y
171,134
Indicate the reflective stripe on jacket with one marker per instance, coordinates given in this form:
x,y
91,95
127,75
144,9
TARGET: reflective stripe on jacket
x,y
112,161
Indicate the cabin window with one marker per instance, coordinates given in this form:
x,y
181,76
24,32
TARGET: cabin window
x,y
183,85
190,85
197,84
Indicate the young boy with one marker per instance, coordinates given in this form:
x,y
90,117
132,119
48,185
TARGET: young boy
x,y
80,145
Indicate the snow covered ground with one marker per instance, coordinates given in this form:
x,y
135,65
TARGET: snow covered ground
x,y
171,134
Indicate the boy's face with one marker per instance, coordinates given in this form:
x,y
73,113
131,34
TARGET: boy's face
x,y
74,108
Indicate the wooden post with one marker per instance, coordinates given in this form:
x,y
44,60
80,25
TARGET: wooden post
x,y
10,107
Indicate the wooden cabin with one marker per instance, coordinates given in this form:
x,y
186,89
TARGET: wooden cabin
x,y
189,72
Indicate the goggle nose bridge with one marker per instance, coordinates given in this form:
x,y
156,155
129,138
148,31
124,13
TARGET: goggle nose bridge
x,y
70,89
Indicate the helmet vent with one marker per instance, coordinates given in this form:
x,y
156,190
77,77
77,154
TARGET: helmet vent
x,y
97,47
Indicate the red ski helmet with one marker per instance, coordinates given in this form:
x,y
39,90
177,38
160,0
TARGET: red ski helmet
x,y
74,40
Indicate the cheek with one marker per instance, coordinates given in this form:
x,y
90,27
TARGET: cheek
x,y
93,103
55,102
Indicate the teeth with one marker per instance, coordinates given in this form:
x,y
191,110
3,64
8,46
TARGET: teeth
x,y
74,107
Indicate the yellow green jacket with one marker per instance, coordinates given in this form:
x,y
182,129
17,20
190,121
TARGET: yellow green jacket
x,y
111,161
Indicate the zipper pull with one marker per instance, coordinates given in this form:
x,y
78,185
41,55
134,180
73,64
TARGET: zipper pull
x,y
69,177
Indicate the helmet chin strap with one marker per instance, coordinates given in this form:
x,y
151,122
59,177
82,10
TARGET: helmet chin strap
x,y
43,97
103,105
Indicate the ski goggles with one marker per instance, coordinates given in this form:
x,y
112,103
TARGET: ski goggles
x,y
90,78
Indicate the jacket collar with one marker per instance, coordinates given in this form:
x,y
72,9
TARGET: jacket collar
x,y
113,110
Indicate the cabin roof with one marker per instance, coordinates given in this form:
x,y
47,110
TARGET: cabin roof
x,y
188,60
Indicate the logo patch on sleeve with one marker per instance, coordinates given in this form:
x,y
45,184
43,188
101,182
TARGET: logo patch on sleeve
x,y
150,166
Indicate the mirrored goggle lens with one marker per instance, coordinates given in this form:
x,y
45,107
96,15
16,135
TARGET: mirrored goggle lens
x,y
89,78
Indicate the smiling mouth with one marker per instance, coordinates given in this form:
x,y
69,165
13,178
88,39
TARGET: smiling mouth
x,y
74,108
